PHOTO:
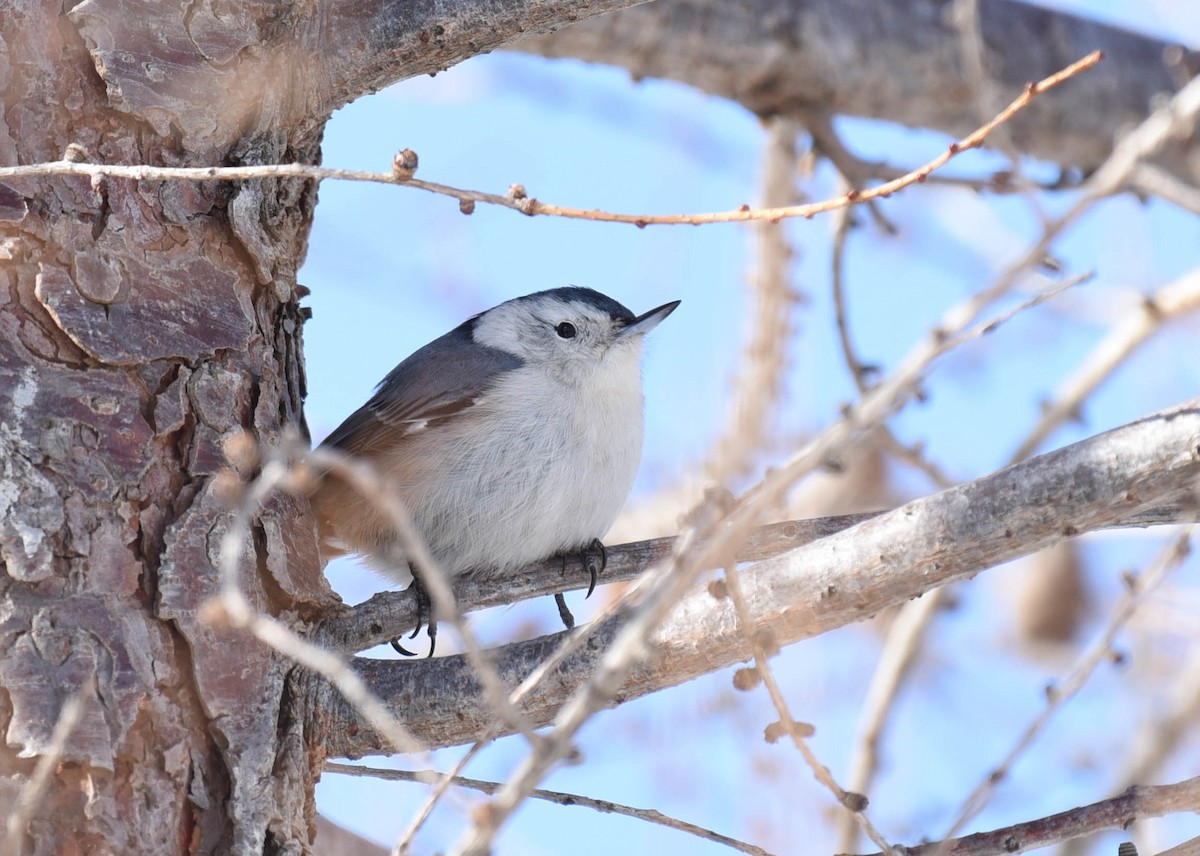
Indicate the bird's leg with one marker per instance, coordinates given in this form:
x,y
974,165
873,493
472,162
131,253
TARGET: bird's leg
x,y
595,559
424,611
564,611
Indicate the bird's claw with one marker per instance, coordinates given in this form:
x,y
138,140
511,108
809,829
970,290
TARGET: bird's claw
x,y
588,555
424,615
595,558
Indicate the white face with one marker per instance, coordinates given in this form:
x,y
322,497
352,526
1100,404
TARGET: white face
x,y
566,335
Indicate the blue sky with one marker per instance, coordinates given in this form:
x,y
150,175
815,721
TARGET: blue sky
x,y
392,268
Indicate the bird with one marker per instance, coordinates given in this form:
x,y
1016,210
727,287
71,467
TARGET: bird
x,y
513,438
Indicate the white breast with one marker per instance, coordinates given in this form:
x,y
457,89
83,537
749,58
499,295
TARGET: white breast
x,y
497,491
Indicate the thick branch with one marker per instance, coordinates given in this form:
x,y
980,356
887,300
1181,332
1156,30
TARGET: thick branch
x,y
896,60
831,582
280,65
368,44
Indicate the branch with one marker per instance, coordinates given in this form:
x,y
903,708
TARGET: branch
x,y
893,60
389,614
284,68
1173,301
1061,693
368,44
1117,813
405,163
558,798
1104,481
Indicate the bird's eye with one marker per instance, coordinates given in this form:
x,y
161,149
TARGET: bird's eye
x,y
565,330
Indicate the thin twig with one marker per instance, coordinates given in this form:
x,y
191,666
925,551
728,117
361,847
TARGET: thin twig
x,y
900,650
1119,812
854,803
648,815
1172,301
518,201
858,172
369,483
914,456
31,795
859,370
1057,696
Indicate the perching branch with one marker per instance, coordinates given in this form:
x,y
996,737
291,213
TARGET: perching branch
x,y
1106,480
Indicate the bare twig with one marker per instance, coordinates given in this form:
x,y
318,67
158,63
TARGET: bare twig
x,y
859,371
858,171
35,788
1120,812
370,483
518,201
648,815
854,803
1057,696
1171,302
913,455
900,651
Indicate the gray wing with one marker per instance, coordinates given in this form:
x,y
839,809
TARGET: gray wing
x,y
441,380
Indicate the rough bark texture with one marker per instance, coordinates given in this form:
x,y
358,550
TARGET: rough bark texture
x,y
905,61
142,324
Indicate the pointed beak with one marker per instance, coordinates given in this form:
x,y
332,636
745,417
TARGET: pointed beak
x,y
647,321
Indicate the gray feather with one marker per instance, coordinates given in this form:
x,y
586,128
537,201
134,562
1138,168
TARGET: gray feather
x,y
440,380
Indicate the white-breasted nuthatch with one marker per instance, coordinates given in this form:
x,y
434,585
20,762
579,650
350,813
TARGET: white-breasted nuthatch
x,y
514,437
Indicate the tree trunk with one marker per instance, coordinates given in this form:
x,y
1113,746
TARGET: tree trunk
x,y
143,323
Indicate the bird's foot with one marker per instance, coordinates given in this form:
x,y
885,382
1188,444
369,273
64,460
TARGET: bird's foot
x,y
424,615
595,559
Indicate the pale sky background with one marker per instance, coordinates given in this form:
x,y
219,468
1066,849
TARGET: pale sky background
x,y
392,268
